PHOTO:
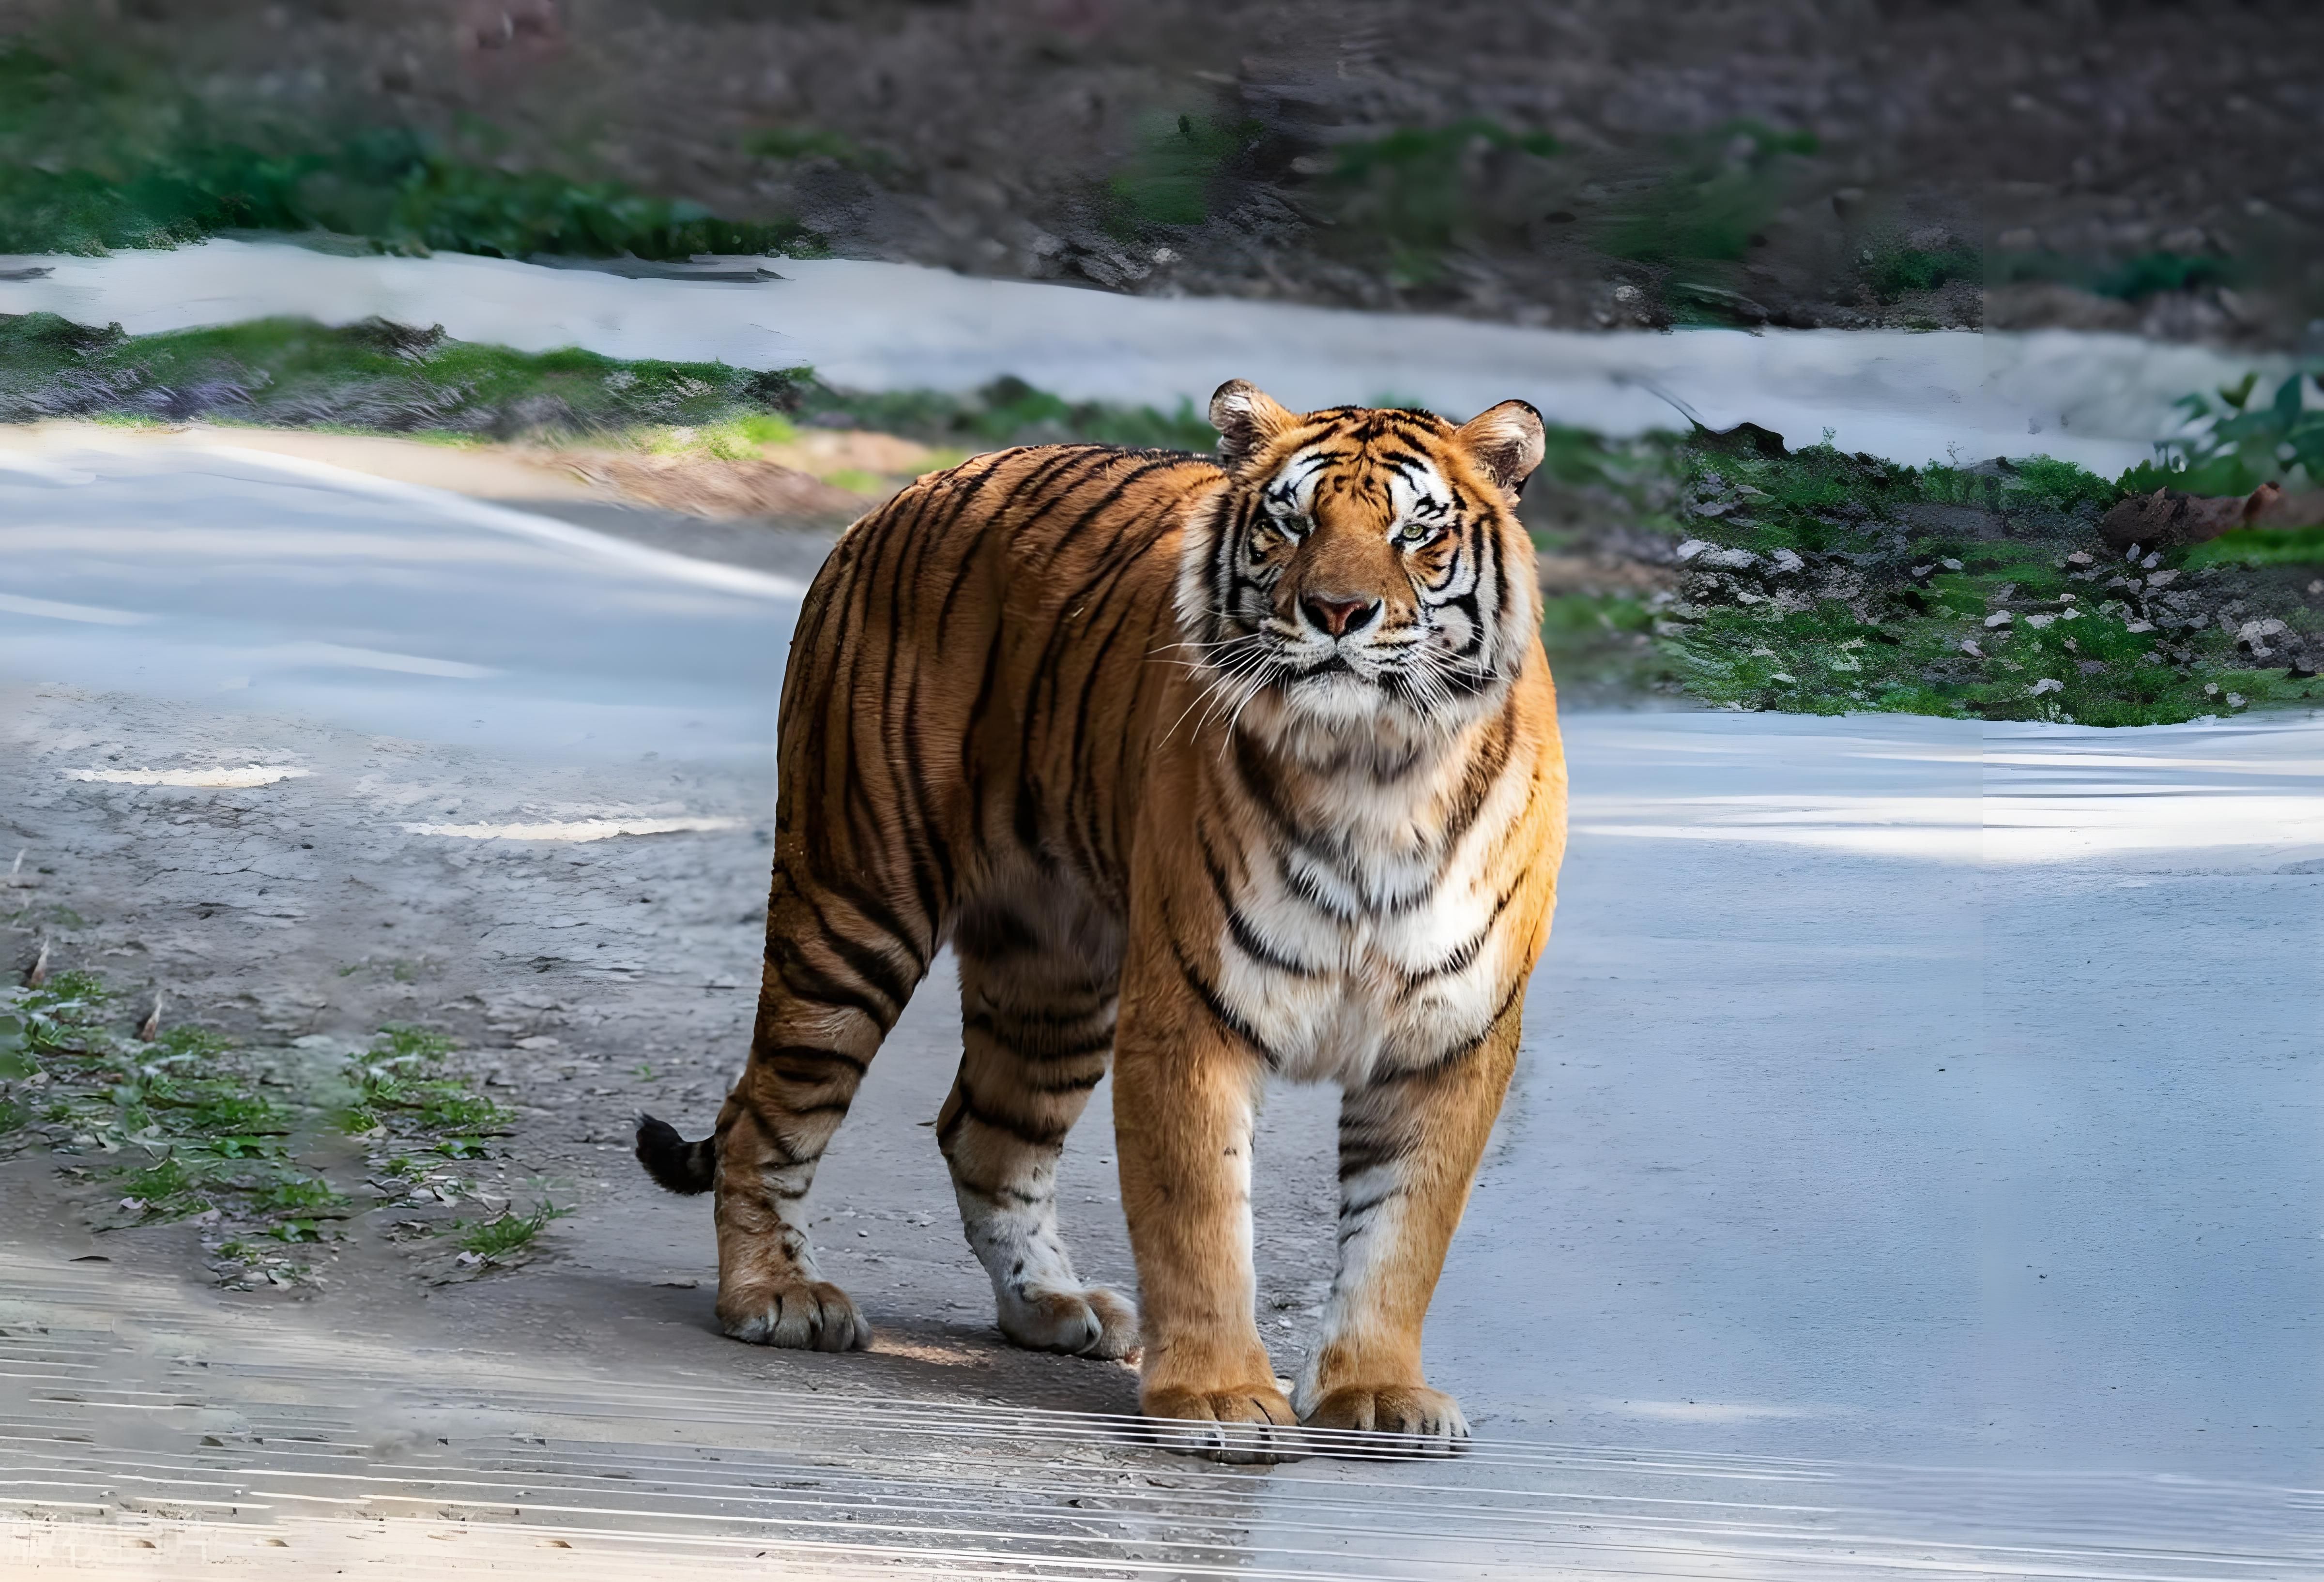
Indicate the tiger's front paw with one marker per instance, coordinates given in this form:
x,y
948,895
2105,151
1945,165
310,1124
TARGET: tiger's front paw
x,y
803,1315
1248,1423
1395,1419
1093,1321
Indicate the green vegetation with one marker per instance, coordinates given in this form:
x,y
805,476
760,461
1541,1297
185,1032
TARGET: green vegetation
x,y
2237,445
509,1233
1721,189
786,143
371,376
1897,270
1172,178
97,152
402,1090
198,1125
1008,411
376,377
2133,279
1413,192
1830,588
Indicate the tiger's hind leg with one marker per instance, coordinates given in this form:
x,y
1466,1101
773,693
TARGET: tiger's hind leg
x,y
837,976
1038,989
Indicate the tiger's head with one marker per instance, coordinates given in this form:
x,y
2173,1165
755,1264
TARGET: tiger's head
x,y
1364,570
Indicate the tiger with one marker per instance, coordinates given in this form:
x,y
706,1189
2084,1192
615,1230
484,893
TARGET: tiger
x,y
1211,770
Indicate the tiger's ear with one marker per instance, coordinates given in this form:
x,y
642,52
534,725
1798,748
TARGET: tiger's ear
x,y
1508,441
1246,418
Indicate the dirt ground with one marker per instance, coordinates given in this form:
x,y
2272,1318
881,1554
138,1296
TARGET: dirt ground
x,y
586,982
1300,149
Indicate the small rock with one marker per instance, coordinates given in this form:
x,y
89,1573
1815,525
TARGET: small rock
x,y
2139,626
2210,689
537,1041
1968,646
1786,680
2235,700
1787,561
2037,621
1999,617
688,1282
2081,557
2161,579
1950,564
2092,666
468,1260
2047,684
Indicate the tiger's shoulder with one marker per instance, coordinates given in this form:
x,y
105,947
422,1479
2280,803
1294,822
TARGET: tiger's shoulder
x,y
1059,491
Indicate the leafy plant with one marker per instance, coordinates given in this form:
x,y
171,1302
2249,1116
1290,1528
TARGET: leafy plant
x,y
509,1232
2236,445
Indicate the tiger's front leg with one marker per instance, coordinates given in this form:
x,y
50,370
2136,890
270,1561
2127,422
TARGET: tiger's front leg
x,y
1185,1097
1410,1147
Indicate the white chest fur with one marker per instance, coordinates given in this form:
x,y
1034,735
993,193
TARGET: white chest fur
x,y
1370,945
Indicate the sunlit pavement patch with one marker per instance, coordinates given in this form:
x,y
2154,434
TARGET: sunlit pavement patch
x,y
586,829
239,779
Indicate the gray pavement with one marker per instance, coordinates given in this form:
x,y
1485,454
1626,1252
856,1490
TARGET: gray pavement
x,y
1914,1166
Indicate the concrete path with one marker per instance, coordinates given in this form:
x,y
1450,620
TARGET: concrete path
x,y
1914,1163
2101,400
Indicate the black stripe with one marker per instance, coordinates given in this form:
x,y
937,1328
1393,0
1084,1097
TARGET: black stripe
x,y
1025,1132
1459,1052
1220,1012
810,1053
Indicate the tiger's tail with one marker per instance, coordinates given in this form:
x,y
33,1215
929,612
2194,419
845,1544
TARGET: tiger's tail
x,y
674,1163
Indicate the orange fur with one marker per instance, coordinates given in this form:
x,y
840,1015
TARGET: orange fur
x,y
1212,769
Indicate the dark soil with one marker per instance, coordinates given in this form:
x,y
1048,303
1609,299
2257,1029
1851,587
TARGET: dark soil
x,y
2144,166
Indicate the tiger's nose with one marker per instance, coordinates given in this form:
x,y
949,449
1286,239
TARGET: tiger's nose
x,y
1338,614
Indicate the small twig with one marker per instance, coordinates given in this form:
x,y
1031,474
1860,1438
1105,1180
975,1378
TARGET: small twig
x,y
150,1027
38,972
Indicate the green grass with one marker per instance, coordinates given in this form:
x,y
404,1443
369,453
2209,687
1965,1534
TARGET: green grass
x,y
509,1232
370,376
1174,174
375,377
401,1088
2261,547
1010,411
198,1124
1896,644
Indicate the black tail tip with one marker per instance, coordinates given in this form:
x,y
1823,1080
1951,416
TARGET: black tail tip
x,y
674,1163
